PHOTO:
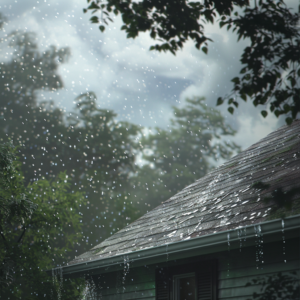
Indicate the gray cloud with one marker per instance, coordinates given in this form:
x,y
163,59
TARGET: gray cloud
x,y
141,86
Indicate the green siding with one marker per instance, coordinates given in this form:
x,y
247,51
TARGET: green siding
x,y
236,268
243,268
139,284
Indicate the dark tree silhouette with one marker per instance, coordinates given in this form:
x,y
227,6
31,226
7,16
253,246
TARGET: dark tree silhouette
x,y
270,73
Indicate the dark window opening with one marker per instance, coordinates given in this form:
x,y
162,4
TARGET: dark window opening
x,y
184,287
196,281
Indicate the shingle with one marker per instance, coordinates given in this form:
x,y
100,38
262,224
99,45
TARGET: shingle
x,y
223,199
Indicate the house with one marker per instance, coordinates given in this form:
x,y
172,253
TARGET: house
x,y
229,235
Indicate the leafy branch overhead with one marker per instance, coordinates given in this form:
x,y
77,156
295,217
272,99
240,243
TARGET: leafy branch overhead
x,y
270,73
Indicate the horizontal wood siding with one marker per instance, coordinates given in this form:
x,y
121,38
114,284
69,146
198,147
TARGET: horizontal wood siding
x,y
239,267
139,284
236,269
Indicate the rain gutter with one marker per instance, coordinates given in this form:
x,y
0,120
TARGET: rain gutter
x,y
212,242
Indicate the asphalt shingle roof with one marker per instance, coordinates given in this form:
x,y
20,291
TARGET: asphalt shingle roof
x,y
228,197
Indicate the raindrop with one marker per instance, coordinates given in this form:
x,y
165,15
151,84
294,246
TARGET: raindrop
x,y
125,271
167,252
57,281
90,291
259,246
240,234
170,234
283,241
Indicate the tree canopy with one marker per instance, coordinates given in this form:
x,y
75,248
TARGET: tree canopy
x,y
73,178
184,152
39,226
95,149
270,65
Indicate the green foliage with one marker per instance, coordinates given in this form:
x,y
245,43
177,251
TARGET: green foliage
x,y
15,204
260,185
98,154
38,233
264,113
277,286
96,150
270,72
286,202
29,71
178,156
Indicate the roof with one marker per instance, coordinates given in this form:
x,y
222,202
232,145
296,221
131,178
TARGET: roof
x,y
231,196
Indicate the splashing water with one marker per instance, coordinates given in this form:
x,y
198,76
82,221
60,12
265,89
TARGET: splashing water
x,y
259,247
241,232
57,281
228,246
90,291
99,289
125,271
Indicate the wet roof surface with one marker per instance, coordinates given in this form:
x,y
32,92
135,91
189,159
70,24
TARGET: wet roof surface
x,y
223,199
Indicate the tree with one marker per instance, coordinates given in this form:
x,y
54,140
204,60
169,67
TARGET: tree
x,y
278,286
95,149
39,226
29,71
183,153
15,206
270,73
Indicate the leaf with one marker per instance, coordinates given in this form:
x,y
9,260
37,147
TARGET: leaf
x,y
264,113
277,113
243,70
102,28
93,6
204,49
153,34
289,121
94,19
292,81
286,108
230,101
84,10
231,109
220,101
236,80
244,97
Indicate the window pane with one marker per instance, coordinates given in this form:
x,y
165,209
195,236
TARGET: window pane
x,y
187,288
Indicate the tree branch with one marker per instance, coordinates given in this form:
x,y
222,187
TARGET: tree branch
x,y
20,238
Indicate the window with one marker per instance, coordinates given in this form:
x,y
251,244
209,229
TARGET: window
x,y
184,287
197,281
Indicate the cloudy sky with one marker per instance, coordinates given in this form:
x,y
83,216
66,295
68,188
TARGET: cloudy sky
x,y
141,86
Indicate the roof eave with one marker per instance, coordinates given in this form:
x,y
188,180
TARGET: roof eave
x,y
159,253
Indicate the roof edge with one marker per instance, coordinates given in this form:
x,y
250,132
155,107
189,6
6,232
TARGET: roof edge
x,y
265,228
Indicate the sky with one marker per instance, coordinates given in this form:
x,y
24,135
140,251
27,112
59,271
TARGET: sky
x,y
140,85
